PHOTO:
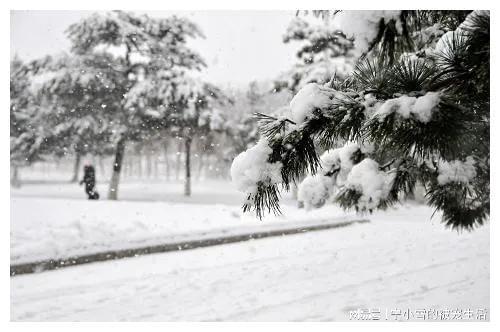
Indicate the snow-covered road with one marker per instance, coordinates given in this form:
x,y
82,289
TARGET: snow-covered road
x,y
400,260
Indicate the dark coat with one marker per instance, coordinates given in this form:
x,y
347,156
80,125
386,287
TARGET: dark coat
x,y
89,180
88,176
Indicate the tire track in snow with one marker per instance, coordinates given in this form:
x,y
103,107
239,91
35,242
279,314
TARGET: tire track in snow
x,y
249,313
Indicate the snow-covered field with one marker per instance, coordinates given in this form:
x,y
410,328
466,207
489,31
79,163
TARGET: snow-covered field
x,y
44,229
51,221
399,261
205,192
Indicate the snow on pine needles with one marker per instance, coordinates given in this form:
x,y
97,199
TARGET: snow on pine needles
x,y
252,166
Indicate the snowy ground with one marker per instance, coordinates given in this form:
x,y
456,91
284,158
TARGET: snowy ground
x,y
205,192
51,221
398,261
44,229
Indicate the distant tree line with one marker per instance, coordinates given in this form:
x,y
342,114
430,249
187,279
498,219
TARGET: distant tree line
x,y
128,80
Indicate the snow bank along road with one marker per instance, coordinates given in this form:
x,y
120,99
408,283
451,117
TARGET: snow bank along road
x,y
52,229
206,240
400,260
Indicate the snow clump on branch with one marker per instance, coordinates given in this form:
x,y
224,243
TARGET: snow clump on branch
x,y
373,184
420,107
310,98
252,166
315,190
456,171
363,25
340,160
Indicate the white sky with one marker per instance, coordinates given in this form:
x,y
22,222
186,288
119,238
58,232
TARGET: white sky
x,y
240,46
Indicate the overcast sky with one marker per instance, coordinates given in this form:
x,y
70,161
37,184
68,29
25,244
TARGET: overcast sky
x,y
240,46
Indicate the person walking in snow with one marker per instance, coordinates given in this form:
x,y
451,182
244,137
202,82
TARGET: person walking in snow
x,y
89,180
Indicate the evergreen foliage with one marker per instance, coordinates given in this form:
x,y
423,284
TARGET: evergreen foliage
x,y
324,51
421,100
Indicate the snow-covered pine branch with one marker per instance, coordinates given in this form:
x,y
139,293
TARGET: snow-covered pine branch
x,y
421,115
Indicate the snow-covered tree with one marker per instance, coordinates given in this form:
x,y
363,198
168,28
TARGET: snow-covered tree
x,y
197,115
254,97
324,51
26,138
185,105
414,110
243,131
32,136
140,47
78,96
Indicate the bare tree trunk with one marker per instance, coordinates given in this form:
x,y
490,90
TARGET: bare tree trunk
x,y
76,167
14,179
187,180
167,164
117,167
139,165
148,163
155,166
132,167
178,160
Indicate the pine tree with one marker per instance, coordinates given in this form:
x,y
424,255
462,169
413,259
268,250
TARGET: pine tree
x,y
31,139
76,95
185,105
138,48
324,51
414,110
24,145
